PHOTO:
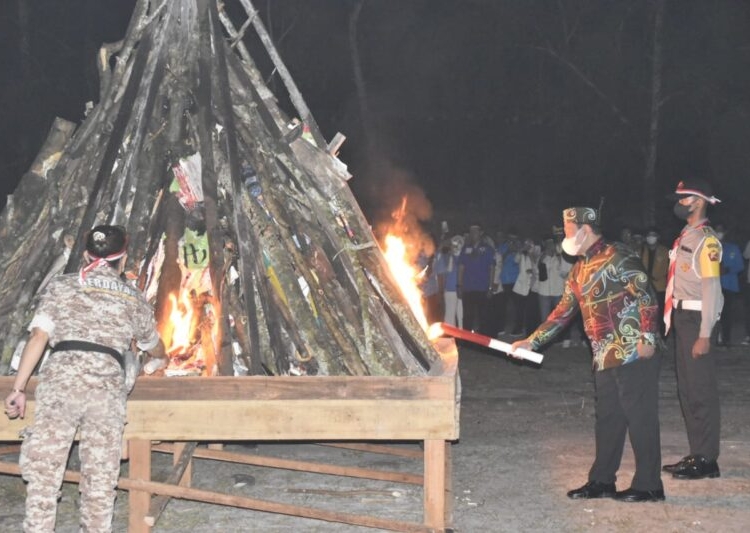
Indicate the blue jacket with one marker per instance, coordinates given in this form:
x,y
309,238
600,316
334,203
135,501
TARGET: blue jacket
x,y
731,266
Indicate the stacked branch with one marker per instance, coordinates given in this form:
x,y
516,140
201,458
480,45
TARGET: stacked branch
x,y
225,197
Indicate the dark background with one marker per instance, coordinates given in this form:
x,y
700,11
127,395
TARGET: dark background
x,y
501,112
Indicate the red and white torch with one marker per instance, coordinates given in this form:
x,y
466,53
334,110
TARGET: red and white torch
x,y
441,328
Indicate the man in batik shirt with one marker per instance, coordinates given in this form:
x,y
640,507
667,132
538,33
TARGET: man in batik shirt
x,y
620,315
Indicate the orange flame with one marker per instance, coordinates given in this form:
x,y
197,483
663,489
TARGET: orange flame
x,y
181,319
406,275
399,246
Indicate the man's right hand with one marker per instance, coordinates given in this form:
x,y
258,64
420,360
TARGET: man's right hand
x,y
523,344
15,405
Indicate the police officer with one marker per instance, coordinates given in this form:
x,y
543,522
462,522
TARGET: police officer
x,y
88,318
694,293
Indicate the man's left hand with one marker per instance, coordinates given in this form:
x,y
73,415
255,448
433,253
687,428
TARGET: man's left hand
x,y
701,347
645,350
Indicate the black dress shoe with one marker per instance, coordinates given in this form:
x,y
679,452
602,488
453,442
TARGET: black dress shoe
x,y
697,467
635,495
593,489
676,466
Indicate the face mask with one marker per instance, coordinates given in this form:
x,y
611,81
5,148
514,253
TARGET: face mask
x,y
682,211
651,240
572,245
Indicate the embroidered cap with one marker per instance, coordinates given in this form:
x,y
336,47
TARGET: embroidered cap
x,y
581,215
694,187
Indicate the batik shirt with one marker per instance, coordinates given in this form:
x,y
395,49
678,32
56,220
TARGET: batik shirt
x,y
617,302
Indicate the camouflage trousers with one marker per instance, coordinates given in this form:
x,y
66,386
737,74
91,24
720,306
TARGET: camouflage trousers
x,y
62,408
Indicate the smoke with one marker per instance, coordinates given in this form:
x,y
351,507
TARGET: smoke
x,y
401,207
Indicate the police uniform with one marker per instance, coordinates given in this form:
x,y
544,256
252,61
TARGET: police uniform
x,y
697,302
82,391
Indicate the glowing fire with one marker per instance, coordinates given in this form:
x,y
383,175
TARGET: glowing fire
x,y
406,275
397,247
189,332
181,319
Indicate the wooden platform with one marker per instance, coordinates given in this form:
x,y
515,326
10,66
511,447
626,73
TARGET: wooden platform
x,y
329,408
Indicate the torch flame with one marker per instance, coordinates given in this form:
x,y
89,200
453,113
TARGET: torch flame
x,y
435,330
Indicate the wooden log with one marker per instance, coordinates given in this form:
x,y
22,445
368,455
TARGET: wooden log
x,y
110,154
286,77
209,177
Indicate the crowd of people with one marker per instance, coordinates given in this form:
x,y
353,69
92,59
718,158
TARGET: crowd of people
x,y
504,286
629,294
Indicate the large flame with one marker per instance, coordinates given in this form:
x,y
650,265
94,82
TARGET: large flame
x,y
399,246
181,320
190,334
406,275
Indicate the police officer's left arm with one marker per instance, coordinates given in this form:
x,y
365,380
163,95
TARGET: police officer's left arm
x,y
712,300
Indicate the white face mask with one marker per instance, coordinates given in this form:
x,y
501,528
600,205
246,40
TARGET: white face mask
x,y
651,240
572,245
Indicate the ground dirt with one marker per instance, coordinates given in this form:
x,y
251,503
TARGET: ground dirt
x,y
526,439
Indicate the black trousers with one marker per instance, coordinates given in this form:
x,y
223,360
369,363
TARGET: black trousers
x,y
474,303
697,387
627,401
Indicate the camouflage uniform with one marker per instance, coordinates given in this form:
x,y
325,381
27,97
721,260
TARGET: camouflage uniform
x,y
82,391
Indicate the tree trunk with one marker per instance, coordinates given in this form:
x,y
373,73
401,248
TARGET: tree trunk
x,y
649,175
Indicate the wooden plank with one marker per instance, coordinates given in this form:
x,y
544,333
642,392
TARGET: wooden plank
x,y
301,466
315,420
291,387
292,420
398,451
139,499
435,483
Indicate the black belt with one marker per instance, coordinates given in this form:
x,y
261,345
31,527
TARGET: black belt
x,y
84,346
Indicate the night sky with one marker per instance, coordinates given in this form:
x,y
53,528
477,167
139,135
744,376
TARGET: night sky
x,y
494,111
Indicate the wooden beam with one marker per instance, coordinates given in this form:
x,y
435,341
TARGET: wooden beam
x,y
397,451
183,455
435,457
300,466
139,499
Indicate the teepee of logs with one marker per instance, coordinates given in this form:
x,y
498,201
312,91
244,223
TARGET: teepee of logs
x,y
241,221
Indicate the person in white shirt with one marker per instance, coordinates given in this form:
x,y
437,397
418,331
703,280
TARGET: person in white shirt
x,y
553,270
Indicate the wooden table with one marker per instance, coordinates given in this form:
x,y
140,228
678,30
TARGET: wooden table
x,y
283,408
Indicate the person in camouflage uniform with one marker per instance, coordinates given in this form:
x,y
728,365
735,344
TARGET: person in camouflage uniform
x,y
81,389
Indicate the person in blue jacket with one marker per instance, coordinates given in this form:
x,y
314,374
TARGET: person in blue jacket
x,y
732,265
